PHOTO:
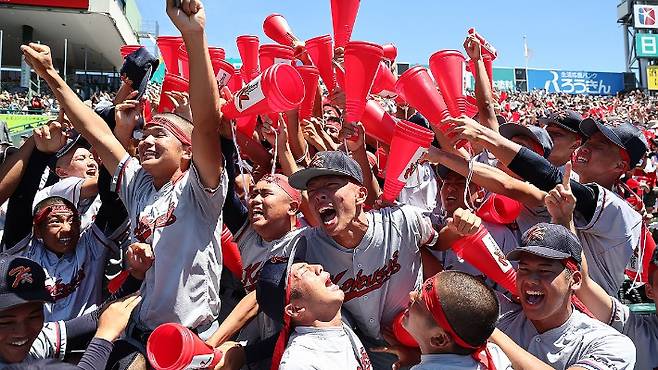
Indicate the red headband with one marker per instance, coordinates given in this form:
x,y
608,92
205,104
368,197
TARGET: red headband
x,y
282,340
43,213
282,182
432,301
171,127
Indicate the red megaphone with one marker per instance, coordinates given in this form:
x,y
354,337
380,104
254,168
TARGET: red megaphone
x,y
499,209
171,82
235,82
223,70
410,142
321,52
378,123
400,333
311,77
361,63
248,49
270,54
488,48
125,50
447,67
175,347
278,89
415,86
343,15
390,51
231,253
488,65
246,125
384,83
482,252
169,46
276,27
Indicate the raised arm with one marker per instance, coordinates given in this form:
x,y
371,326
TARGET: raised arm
x,y
483,93
12,170
84,119
190,19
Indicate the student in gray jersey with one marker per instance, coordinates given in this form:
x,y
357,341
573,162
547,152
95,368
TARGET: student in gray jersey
x,y
608,228
546,324
373,256
451,317
173,193
302,298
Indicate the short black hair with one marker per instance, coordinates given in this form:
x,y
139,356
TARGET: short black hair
x,y
470,306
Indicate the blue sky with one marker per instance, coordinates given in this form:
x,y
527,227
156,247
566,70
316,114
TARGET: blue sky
x,y
575,35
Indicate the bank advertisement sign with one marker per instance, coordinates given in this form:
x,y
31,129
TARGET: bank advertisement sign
x,y
576,82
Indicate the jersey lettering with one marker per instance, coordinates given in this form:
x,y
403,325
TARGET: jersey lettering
x,y
362,284
60,290
146,225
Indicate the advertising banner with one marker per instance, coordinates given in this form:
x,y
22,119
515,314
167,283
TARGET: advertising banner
x,y
503,79
644,16
576,82
652,77
646,45
69,4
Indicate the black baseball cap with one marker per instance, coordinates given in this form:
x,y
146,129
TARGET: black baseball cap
x,y
623,134
21,281
328,163
549,241
139,66
537,134
567,119
74,140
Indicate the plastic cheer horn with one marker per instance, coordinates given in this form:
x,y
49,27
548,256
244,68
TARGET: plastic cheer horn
x,y
235,82
175,347
401,334
276,27
231,253
390,51
447,68
125,50
499,209
246,125
223,70
171,82
168,46
361,63
278,89
487,47
488,65
321,51
482,252
384,83
311,77
410,142
378,123
248,49
270,54
343,16
415,86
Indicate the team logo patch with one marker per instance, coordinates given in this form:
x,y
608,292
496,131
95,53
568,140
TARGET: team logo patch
x,y
317,161
536,234
21,274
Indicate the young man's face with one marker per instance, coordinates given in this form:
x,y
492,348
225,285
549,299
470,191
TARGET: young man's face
x,y
60,230
597,158
565,143
19,327
269,205
320,297
160,152
77,163
452,192
334,201
418,320
545,288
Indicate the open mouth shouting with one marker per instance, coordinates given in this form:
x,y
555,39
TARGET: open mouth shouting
x,y
330,285
533,297
149,154
328,216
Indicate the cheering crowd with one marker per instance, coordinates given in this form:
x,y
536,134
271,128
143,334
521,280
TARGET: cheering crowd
x,y
505,247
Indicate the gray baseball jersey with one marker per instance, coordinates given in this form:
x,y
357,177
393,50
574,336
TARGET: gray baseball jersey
x,y
69,189
581,341
609,239
643,331
254,252
379,273
183,223
74,280
50,343
324,348
449,361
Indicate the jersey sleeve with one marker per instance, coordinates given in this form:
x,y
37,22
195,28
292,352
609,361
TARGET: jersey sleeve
x,y
68,188
51,342
620,315
421,227
97,242
128,179
210,201
610,352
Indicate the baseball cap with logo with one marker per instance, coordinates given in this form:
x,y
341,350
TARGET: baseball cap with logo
x,y
328,163
537,134
567,119
139,66
549,241
21,281
623,134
